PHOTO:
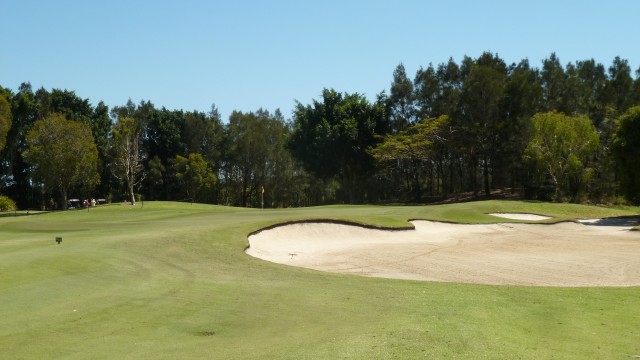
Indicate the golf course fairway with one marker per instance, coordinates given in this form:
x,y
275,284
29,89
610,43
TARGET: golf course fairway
x,y
172,281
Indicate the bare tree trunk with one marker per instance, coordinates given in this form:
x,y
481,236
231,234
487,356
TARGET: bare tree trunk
x,y
132,193
64,199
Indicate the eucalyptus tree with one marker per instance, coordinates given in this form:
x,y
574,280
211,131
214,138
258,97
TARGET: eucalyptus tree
x,y
63,154
162,132
553,79
204,134
415,149
5,126
73,107
17,172
331,139
593,80
483,117
254,158
400,102
620,85
159,140
523,93
101,126
162,139
450,77
426,92
574,94
593,101
127,154
635,98
69,104
195,175
128,110
523,99
560,152
286,184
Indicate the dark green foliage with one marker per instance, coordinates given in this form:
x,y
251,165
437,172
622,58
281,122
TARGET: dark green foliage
x,y
626,148
484,120
256,158
553,80
620,85
68,104
400,103
195,176
426,92
16,172
324,153
162,132
101,129
63,154
332,139
203,134
5,120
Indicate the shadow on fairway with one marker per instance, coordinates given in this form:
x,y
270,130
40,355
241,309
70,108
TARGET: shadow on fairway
x,y
626,221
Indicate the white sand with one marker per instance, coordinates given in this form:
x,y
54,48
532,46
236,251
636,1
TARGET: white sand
x,y
565,254
520,216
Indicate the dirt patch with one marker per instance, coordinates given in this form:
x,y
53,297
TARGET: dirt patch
x,y
566,254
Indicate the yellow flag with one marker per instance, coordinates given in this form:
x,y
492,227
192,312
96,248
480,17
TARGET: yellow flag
x,y
263,189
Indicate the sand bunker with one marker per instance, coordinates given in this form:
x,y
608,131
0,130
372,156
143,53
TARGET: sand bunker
x,y
565,254
520,216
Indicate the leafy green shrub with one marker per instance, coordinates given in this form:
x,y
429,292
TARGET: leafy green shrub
x,y
6,204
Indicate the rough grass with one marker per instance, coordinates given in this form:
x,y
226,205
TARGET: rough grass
x,y
171,280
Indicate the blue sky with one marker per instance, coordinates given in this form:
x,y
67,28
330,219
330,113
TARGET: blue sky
x,y
245,55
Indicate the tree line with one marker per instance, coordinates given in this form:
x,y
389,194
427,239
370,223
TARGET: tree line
x,y
559,132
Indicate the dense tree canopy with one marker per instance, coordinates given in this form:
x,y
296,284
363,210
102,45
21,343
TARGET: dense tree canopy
x,y
5,120
627,153
411,155
63,154
331,138
560,151
195,176
400,103
468,128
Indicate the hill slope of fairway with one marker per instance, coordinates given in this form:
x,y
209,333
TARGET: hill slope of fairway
x,y
172,280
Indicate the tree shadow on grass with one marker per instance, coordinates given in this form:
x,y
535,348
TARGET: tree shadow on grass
x,y
622,221
21,213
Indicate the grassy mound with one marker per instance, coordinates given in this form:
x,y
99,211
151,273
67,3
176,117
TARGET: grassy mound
x,y
171,280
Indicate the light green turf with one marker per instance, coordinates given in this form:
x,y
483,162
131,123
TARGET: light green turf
x,y
171,281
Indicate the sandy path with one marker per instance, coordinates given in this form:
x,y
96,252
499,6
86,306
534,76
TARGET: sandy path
x,y
565,254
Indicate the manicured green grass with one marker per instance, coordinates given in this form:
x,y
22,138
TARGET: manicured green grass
x,y
171,281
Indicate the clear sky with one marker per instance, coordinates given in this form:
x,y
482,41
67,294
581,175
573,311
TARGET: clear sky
x,y
245,55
